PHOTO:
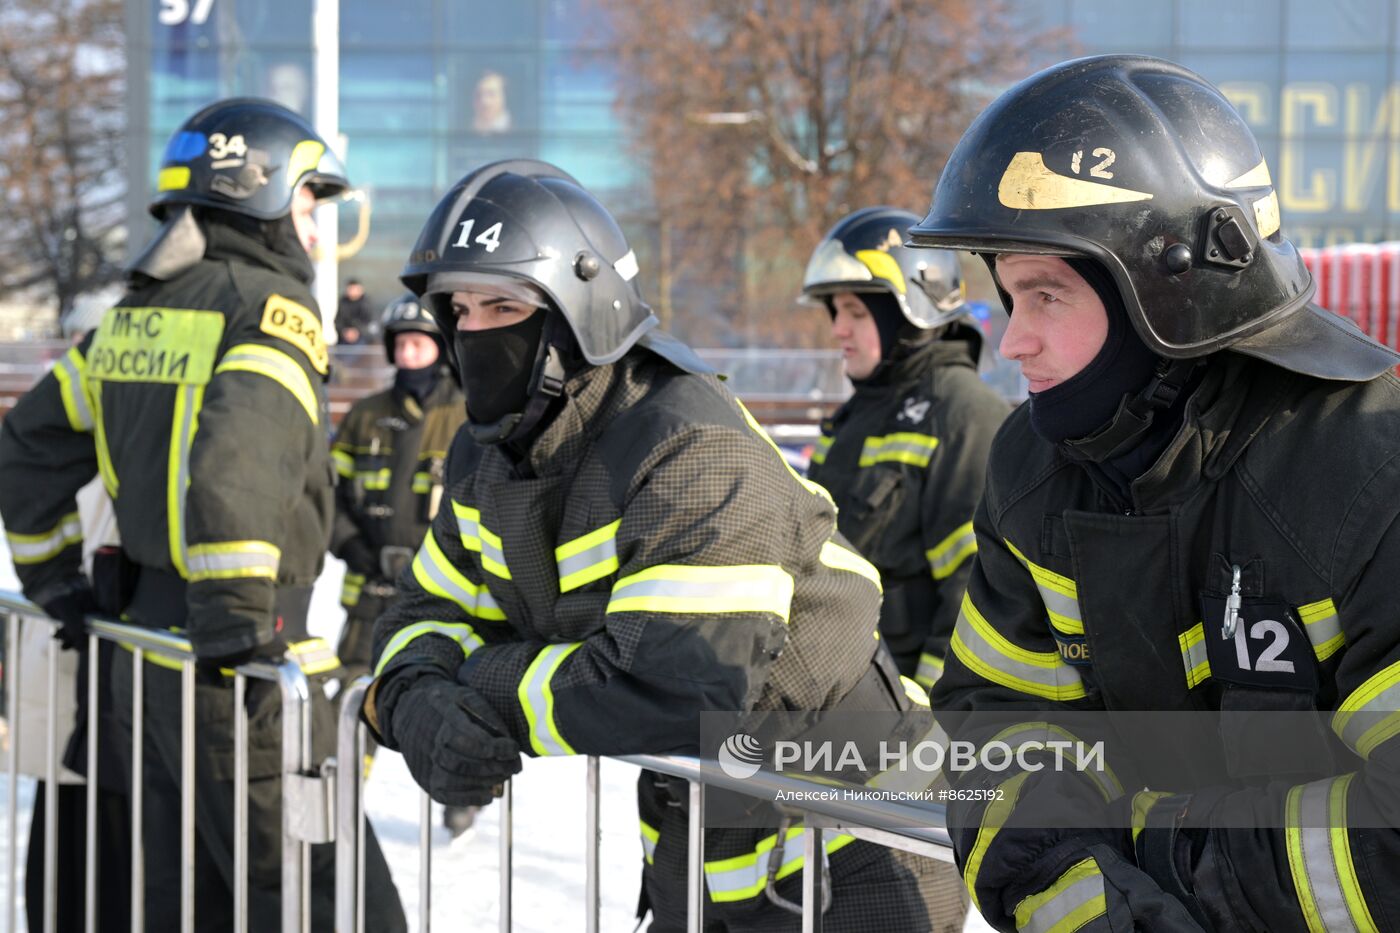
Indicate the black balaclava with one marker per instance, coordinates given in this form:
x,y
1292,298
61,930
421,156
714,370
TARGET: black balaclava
x,y
418,383
1085,402
279,236
496,366
898,337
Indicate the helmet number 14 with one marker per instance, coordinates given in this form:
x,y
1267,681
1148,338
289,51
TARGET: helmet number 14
x,y
489,238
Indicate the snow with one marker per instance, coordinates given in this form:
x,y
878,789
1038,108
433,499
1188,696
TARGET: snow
x,y
549,831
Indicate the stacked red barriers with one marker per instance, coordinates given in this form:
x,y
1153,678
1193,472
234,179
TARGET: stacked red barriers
x,y
1360,281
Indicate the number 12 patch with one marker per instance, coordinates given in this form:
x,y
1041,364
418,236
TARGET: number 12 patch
x,y
1268,647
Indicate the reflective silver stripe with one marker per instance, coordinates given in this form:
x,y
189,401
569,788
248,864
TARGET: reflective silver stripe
x,y
229,562
950,553
1016,736
600,558
461,633
314,656
1319,857
650,836
1323,626
32,549
745,876
1370,714
435,578
350,589
823,446
915,449
692,589
1074,905
468,525
493,558
74,393
929,670
1058,592
1193,654
537,700
989,654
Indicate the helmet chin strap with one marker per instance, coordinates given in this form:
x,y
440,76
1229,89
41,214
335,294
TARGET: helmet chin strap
x,y
1135,413
546,384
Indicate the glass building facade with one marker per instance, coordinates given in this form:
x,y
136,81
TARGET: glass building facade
x,y
428,89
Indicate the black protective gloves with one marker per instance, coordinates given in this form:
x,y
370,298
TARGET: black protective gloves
x,y
69,602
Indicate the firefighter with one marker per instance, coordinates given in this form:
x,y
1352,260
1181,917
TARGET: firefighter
x,y
620,549
1196,510
389,455
200,402
904,457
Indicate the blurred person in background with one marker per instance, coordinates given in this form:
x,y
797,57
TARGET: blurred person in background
x,y
389,458
904,458
354,315
200,402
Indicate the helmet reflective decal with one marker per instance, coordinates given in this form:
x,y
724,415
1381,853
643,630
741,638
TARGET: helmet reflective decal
x,y
173,178
627,266
184,146
1028,185
1266,215
305,157
884,266
1257,177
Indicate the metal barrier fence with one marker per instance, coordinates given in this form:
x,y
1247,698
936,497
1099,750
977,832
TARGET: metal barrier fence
x,y
851,817
307,789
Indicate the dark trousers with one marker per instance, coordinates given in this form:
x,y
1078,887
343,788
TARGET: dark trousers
x,y
113,856
872,888
214,798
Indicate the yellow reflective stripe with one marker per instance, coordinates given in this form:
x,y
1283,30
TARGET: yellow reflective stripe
x,y
468,525
350,589
464,635
823,445
314,656
422,483
536,697
590,557
1193,654
99,436
838,557
993,818
493,558
650,836
374,479
435,573
1319,858
1041,732
900,447
277,366
914,691
988,654
929,670
1059,593
71,373
37,548
344,463
1323,626
1371,713
949,554
227,560
1075,898
745,876
683,588
1143,802
815,489
184,421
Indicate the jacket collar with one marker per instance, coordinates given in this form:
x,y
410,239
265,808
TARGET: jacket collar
x,y
227,243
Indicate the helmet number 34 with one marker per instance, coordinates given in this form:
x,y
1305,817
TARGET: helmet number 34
x,y
489,238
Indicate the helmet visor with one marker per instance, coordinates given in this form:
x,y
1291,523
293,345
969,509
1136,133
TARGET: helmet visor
x,y
485,283
832,269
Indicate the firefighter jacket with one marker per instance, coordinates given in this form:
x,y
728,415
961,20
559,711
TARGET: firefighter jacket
x,y
200,401
904,460
1079,599
653,556
389,457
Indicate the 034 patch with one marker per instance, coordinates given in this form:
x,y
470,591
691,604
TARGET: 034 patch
x,y
298,325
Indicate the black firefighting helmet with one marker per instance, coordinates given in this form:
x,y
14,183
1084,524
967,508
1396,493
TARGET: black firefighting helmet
x,y
247,156
1145,167
865,252
525,221
404,315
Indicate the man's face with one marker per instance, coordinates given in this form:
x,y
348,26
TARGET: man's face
x,y
354,291
414,350
853,330
304,218
476,311
1058,322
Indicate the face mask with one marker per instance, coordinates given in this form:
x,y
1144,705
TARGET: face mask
x,y
418,383
496,366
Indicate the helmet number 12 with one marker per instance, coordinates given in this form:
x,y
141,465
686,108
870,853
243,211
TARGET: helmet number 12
x,y
1099,169
489,238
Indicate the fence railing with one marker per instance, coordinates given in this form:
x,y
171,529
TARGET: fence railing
x,y
308,787
922,829
305,785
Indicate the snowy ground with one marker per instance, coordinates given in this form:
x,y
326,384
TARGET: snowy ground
x,y
549,832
